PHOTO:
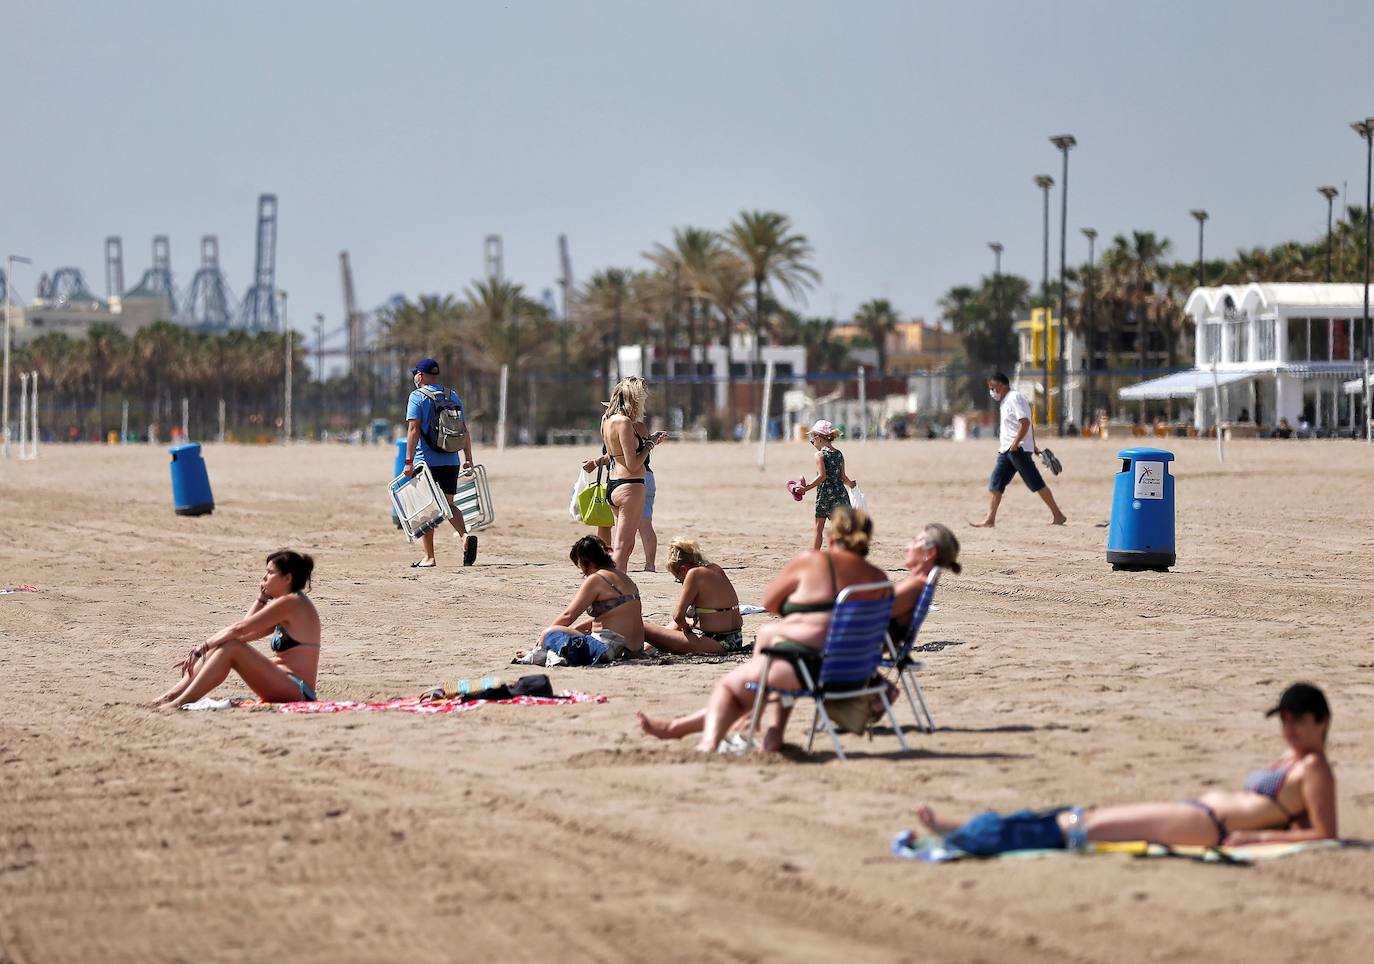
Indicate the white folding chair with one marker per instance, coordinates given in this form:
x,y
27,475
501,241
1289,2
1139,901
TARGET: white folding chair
x,y
419,503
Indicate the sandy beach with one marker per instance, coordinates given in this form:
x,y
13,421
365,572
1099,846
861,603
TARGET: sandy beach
x,y
560,832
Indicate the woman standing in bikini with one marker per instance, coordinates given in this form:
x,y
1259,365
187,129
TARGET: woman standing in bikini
x,y
706,618
282,609
804,595
1293,800
626,452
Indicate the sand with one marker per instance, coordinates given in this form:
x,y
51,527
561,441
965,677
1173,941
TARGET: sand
x,y
534,833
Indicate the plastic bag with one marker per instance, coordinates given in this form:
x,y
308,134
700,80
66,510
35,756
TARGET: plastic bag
x,y
584,479
858,500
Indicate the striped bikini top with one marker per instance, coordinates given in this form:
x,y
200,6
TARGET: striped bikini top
x,y
1267,782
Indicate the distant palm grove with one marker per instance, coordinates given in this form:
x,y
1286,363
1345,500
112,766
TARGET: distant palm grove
x,y
697,288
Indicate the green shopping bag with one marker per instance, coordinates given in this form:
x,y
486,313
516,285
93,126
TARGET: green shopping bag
x,y
594,506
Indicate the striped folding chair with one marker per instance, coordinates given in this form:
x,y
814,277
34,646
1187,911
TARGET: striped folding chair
x,y
899,656
849,662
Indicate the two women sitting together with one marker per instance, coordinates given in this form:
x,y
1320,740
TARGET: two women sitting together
x,y
804,596
605,619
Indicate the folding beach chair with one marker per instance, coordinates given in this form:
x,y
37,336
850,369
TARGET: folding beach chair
x,y
473,499
849,662
899,656
419,503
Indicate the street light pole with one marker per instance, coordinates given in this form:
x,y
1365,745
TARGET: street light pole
x,y
1045,182
286,341
1365,129
996,247
1065,142
1089,326
1328,192
9,302
1201,217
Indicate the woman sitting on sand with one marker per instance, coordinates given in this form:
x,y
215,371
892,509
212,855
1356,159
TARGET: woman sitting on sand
x,y
706,618
606,606
804,595
282,609
935,546
1292,800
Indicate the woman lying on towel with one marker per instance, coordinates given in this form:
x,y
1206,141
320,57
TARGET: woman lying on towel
x,y
605,612
804,595
935,546
1293,800
706,618
281,609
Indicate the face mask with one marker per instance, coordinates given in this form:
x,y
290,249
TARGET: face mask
x,y
992,395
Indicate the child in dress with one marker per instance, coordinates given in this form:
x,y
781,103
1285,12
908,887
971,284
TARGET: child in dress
x,y
831,479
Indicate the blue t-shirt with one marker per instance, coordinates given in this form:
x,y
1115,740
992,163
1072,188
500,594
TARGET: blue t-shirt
x,y
420,407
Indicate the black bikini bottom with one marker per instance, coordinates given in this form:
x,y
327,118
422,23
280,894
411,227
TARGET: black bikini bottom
x,y
612,485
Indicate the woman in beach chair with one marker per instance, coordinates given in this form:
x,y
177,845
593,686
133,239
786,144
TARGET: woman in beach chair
x,y
803,594
934,547
281,609
706,619
1291,801
605,610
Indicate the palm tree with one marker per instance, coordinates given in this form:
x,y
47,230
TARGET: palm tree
x,y
691,259
774,253
879,320
601,310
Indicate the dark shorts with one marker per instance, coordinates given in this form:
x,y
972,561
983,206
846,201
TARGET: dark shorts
x,y
446,476
1009,464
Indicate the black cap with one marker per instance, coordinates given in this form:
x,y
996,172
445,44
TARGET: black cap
x,y
1302,698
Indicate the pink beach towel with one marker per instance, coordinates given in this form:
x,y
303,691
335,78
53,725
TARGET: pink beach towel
x,y
24,588
412,704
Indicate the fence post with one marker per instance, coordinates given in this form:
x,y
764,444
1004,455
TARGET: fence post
x,y
33,435
124,423
501,410
863,403
763,419
185,419
220,439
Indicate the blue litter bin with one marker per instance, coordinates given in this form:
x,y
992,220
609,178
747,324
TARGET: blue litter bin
x,y
190,481
1142,532
397,470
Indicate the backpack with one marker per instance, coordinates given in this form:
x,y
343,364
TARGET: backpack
x,y
447,428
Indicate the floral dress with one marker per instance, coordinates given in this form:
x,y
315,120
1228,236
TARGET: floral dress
x,y
831,494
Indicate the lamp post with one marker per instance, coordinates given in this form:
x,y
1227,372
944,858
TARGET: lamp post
x,y
1201,217
9,301
286,341
1089,324
1328,192
1365,129
996,247
1065,142
1045,182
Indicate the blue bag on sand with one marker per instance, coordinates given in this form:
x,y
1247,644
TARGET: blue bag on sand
x,y
990,833
575,648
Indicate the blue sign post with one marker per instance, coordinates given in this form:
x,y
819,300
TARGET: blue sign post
x,y
1142,530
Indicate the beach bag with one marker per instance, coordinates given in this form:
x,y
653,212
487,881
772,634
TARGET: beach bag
x,y
584,480
448,431
594,505
858,500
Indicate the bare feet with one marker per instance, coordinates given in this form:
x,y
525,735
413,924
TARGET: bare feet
x,y
660,729
650,569
1059,520
933,823
985,524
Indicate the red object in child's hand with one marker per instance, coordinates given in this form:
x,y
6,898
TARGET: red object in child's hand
x,y
797,487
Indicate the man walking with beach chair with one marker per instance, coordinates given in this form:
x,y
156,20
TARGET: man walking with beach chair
x,y
435,431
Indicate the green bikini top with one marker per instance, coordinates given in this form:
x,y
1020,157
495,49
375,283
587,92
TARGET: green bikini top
x,y
788,608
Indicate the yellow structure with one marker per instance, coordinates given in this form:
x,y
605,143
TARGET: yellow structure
x,y
1033,350
913,346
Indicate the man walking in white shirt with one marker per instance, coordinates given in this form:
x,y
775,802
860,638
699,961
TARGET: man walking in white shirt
x,y
1016,449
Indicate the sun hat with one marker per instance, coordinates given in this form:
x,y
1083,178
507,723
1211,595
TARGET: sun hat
x,y
1301,698
823,427
427,365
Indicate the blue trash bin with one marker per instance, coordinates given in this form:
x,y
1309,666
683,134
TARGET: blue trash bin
x,y
397,470
190,481
1142,532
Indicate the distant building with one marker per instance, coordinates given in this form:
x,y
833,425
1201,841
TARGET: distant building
x,y
75,318
1278,350
913,346
708,363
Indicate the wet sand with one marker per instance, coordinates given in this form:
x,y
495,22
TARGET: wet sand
x,y
530,833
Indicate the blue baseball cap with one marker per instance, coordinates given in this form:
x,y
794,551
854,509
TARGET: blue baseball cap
x,y
427,365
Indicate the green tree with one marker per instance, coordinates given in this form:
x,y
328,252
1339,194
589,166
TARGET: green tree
x,y
878,320
774,253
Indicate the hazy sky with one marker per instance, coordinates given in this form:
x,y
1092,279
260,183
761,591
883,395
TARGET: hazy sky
x,y
900,137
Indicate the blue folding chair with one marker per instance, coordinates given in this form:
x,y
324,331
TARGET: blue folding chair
x,y
849,662
899,656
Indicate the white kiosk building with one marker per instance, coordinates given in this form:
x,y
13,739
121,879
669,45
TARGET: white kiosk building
x,y
1277,351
